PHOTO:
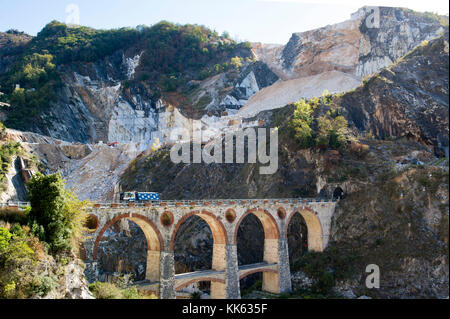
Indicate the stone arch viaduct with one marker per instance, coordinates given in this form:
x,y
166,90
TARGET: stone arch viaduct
x,y
161,220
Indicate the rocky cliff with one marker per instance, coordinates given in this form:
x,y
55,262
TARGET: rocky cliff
x,y
128,96
409,99
128,93
337,57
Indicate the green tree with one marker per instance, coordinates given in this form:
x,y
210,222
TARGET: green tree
x,y
17,265
301,123
332,132
5,237
236,62
56,215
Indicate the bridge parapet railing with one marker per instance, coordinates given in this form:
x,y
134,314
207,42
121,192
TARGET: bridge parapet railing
x,y
210,202
190,203
12,204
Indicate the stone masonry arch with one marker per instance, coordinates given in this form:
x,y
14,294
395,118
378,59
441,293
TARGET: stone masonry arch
x,y
153,237
220,237
251,272
188,283
217,228
269,223
314,226
223,218
271,280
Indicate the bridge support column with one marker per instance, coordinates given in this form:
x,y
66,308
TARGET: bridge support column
x,y
271,281
283,266
153,265
233,290
167,277
218,289
91,270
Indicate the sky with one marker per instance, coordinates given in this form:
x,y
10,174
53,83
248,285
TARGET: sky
x,y
267,21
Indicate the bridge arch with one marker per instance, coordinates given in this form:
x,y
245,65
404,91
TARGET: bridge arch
x,y
220,240
268,222
153,237
255,271
271,279
313,225
218,230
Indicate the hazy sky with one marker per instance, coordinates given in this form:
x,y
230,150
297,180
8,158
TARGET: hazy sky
x,y
269,21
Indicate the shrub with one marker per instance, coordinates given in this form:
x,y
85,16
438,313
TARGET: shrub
x,y
7,152
5,237
111,291
332,132
56,215
130,293
301,123
196,295
324,284
19,265
105,291
328,131
13,216
42,285
360,150
2,130
236,62
326,267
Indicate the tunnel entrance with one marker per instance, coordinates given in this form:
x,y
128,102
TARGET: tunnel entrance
x,y
338,193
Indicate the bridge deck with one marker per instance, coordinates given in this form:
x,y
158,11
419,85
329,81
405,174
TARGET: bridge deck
x,y
188,203
262,265
218,274
199,274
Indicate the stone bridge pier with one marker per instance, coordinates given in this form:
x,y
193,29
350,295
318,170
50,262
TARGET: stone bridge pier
x,y
160,222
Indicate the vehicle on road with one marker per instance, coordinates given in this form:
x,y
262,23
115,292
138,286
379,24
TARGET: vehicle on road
x,y
139,196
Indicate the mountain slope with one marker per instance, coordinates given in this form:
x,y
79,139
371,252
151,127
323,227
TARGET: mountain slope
x,y
125,85
409,99
394,214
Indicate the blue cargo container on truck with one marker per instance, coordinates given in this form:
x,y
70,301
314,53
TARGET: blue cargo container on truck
x,y
147,196
139,196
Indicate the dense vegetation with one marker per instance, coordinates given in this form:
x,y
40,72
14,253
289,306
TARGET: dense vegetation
x,y
318,122
56,216
22,256
442,19
326,268
175,53
117,290
36,244
7,152
171,56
